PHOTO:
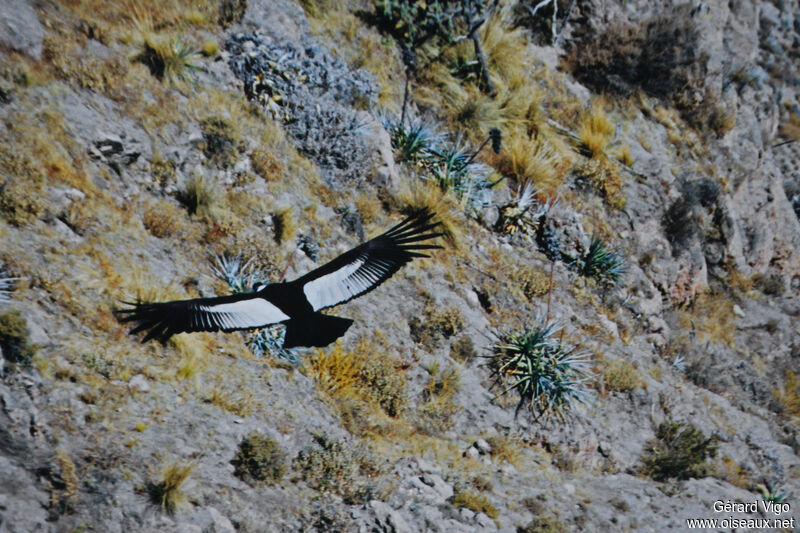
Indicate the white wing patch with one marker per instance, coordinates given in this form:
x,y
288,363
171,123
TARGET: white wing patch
x,y
344,283
253,313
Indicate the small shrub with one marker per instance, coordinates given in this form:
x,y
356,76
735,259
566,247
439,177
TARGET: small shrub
x,y
624,156
547,375
163,219
602,264
14,341
604,177
531,160
463,349
436,325
219,141
259,460
231,12
382,384
544,524
535,282
621,376
65,483
266,164
168,493
327,465
474,502
678,452
163,170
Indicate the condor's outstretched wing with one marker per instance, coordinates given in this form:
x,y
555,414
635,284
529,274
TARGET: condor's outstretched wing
x,y
366,266
226,313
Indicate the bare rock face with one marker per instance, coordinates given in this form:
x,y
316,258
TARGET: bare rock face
x,y
20,29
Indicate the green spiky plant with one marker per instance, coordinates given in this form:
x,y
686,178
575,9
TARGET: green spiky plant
x,y
548,376
772,494
240,275
169,59
411,142
602,264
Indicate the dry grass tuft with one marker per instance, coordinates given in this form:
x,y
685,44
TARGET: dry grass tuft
x,y
168,493
284,225
533,159
711,316
596,129
788,396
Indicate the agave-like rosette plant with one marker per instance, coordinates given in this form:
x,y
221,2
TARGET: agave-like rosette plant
x,y
240,275
548,376
6,285
602,263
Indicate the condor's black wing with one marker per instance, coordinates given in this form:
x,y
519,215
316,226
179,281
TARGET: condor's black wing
x,y
226,313
366,266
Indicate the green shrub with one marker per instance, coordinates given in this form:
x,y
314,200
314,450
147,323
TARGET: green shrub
x,y
678,452
259,460
14,341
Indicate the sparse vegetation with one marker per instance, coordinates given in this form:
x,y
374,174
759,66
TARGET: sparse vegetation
x,y
661,57
548,376
168,492
14,338
620,375
679,451
435,412
259,460
475,502
788,396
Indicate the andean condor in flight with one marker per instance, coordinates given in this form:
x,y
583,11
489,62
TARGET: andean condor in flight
x,y
295,303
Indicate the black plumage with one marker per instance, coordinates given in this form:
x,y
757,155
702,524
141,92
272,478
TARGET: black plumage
x,y
296,303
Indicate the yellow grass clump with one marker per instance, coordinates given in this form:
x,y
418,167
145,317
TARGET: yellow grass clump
x,y
596,129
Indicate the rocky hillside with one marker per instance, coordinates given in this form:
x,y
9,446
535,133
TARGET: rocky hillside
x,y
608,341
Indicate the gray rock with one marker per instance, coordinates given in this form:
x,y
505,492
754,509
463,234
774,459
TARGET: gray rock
x,y
389,520
139,382
471,452
442,488
20,29
482,446
211,520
